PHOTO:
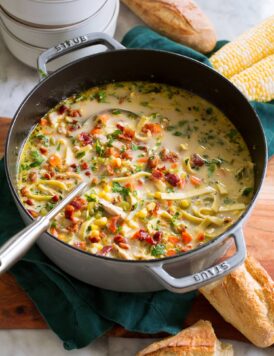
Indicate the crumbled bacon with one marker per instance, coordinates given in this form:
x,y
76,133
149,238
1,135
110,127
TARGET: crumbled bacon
x,y
43,150
153,162
105,250
118,239
153,128
69,212
157,236
32,177
94,239
157,174
167,155
24,191
88,173
84,165
62,109
74,113
127,133
172,179
78,203
126,154
74,227
109,170
47,176
143,235
85,138
196,160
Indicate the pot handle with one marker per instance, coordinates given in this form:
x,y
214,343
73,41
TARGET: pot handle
x,y
197,280
72,45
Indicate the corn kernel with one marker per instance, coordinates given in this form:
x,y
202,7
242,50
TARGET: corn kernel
x,y
142,213
184,204
94,227
101,222
132,224
105,196
158,195
107,188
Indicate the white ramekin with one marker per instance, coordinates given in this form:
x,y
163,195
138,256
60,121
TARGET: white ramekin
x,y
28,54
48,37
52,12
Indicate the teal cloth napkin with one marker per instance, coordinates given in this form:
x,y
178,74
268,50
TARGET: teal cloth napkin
x,y
79,313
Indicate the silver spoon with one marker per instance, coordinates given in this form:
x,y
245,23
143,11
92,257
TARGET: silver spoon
x,y
16,247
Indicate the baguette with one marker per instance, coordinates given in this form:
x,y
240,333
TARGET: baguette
x,y
197,340
245,299
181,20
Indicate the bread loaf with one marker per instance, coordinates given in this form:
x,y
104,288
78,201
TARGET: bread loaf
x,y
181,20
245,298
197,340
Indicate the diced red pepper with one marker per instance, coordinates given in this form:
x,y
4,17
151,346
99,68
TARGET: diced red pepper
x,y
85,138
113,223
196,160
69,212
186,237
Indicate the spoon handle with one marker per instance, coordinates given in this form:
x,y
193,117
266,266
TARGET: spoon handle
x,y
19,244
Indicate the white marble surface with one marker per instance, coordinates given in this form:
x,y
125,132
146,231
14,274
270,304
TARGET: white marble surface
x,y
230,17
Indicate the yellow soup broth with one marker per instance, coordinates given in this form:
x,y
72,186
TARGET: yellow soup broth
x,y
179,169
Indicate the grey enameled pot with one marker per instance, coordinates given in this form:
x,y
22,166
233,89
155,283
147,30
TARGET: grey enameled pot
x,y
181,273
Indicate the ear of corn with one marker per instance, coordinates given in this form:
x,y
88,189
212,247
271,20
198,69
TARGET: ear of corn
x,y
257,81
249,48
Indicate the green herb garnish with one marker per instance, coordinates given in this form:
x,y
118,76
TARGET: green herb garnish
x,y
80,155
247,191
118,188
158,250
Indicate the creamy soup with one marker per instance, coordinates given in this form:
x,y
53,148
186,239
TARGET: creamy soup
x,y
179,170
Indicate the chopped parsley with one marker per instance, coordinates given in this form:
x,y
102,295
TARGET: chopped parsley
x,y
100,96
80,155
158,250
37,159
118,188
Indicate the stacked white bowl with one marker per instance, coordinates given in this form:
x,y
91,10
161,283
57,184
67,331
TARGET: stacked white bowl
x,y
29,27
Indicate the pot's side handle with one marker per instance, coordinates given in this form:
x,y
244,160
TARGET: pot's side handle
x,y
197,280
72,45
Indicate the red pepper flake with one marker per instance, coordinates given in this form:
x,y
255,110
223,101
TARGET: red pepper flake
x,y
172,179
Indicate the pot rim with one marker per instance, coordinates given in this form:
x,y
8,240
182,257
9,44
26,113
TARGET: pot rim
x,y
226,234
